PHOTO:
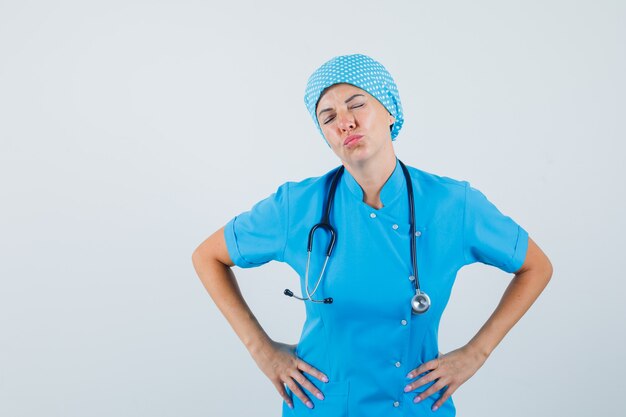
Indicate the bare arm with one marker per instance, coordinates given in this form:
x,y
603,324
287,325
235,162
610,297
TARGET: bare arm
x,y
277,360
521,293
212,264
457,366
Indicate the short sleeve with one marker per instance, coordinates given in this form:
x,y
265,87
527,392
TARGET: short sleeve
x,y
259,235
489,236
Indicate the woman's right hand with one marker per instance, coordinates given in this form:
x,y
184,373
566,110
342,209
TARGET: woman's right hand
x,y
281,365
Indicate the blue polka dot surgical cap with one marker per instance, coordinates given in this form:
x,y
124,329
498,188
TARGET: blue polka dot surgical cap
x,y
362,72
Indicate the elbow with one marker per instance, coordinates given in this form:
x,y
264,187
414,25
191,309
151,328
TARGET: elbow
x,y
198,256
546,266
549,269
544,270
195,258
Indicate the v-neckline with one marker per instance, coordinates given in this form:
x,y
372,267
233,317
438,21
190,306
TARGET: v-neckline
x,y
389,193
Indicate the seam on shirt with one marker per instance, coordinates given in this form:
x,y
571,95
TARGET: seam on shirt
x,y
243,258
248,263
512,260
326,330
229,236
236,240
520,233
464,226
509,262
286,228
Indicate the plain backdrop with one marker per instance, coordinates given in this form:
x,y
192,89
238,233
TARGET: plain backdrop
x,y
132,130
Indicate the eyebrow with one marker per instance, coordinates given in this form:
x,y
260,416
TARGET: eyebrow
x,y
347,101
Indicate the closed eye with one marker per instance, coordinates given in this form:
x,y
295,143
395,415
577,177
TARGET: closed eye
x,y
330,119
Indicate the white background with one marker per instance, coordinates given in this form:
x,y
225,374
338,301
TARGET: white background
x,y
130,131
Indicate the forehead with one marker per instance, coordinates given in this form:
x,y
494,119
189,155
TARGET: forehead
x,y
340,91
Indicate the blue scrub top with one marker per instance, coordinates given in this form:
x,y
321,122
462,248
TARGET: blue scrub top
x,y
368,340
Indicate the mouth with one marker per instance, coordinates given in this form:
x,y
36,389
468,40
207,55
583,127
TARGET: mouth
x,y
352,139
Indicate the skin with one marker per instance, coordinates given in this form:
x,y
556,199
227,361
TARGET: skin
x,y
371,162
276,360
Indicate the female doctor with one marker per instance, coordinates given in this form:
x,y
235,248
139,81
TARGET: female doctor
x,y
397,236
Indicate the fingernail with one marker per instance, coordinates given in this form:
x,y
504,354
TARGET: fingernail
x,y
325,378
320,396
309,404
410,375
290,405
407,388
417,399
435,408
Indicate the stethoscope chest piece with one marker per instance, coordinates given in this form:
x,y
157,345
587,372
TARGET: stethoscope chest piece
x,y
420,302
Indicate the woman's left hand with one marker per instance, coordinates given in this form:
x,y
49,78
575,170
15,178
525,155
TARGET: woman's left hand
x,y
451,370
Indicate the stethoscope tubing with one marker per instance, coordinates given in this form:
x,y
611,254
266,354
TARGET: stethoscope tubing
x,y
420,302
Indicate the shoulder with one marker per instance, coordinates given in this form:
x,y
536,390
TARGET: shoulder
x,y
431,183
308,186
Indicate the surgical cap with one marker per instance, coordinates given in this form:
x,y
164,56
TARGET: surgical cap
x,y
362,72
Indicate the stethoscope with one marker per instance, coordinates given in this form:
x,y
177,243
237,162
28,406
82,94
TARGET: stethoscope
x,y
420,301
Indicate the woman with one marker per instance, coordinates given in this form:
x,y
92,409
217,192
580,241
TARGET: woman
x,y
371,350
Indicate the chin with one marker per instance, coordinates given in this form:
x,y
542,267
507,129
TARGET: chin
x,y
357,155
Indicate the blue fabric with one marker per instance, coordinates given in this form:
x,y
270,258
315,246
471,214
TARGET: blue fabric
x,y
360,71
360,340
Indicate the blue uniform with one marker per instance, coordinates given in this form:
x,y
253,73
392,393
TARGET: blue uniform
x,y
367,340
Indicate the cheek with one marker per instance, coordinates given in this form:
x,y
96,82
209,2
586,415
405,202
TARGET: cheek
x,y
369,118
329,133
330,138
382,122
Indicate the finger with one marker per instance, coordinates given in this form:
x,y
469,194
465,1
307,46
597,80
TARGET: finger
x,y
426,366
295,389
302,365
280,387
431,390
446,394
431,376
302,380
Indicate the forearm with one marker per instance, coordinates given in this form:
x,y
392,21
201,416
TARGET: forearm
x,y
220,282
520,294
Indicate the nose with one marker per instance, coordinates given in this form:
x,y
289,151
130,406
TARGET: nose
x,y
345,120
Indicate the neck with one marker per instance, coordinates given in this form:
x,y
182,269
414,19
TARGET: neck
x,y
371,175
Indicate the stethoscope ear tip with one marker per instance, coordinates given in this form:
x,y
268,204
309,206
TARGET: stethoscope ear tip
x,y
288,293
328,300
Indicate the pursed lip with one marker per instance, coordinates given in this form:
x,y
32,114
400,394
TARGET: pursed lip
x,y
351,137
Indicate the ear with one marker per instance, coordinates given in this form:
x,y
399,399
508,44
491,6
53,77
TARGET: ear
x,y
392,119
